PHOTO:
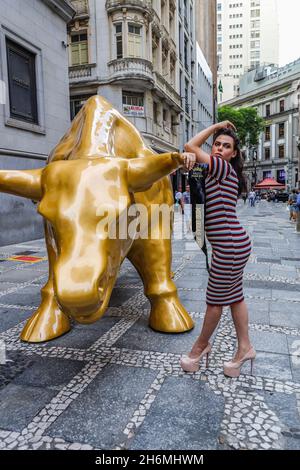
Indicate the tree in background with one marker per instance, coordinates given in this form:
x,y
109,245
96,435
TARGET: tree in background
x,y
248,123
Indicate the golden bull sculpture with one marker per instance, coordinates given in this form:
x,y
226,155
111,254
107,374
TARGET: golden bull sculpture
x,y
101,160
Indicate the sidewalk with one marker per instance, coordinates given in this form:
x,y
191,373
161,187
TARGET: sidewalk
x,y
117,384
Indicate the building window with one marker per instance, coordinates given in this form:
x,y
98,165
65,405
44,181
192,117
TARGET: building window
x,y
21,83
186,64
255,24
186,94
267,133
254,44
281,176
134,41
281,151
155,51
172,70
255,34
281,106
254,55
281,130
76,103
174,124
187,130
119,40
155,112
79,49
268,110
267,174
267,153
133,104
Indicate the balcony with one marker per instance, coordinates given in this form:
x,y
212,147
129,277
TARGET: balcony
x,y
81,72
131,69
166,91
81,7
140,5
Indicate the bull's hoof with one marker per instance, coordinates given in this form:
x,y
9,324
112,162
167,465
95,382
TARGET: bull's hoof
x,y
168,315
48,322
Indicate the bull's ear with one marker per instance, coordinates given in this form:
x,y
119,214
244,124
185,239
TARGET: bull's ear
x,y
143,172
24,183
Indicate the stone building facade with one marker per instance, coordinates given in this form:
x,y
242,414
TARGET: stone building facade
x,y
275,93
34,104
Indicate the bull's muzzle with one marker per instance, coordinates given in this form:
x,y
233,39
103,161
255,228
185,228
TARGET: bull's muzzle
x,y
79,291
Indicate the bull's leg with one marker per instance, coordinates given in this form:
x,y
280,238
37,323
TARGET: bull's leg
x,y
152,259
48,321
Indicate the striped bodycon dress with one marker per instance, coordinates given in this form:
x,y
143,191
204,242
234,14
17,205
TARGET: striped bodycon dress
x,y
231,245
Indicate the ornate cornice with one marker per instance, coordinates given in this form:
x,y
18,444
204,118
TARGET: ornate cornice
x,y
62,8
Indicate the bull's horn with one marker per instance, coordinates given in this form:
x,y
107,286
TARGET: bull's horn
x,y
25,183
143,172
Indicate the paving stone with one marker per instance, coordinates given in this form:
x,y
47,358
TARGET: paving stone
x,y
269,341
284,314
141,337
49,372
20,275
83,336
176,423
120,296
117,392
29,295
11,317
19,404
270,365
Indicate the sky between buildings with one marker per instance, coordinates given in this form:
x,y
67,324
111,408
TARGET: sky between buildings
x,y
289,31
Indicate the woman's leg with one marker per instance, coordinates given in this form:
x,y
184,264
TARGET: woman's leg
x,y
211,320
239,312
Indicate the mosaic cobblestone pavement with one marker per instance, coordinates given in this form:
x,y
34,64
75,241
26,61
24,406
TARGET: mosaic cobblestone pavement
x,y
117,384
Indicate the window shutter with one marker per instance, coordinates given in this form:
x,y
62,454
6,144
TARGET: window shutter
x,y
22,83
75,54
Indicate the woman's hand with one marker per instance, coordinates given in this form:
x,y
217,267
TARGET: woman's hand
x,y
189,160
226,125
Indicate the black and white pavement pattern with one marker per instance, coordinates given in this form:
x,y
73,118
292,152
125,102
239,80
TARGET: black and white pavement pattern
x,y
116,384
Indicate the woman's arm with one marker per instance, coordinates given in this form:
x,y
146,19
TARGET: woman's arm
x,y
194,144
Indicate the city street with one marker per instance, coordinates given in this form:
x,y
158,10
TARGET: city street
x,y
116,384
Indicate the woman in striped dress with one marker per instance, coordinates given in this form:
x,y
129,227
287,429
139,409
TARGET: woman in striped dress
x,y
230,243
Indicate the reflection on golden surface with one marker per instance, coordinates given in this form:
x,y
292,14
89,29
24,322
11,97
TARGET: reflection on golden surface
x,y
100,167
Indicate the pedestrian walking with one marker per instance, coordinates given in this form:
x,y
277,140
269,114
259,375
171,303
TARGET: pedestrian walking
x,y
251,198
231,245
179,201
292,205
244,197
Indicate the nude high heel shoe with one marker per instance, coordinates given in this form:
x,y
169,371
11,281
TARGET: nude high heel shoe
x,y
233,369
189,364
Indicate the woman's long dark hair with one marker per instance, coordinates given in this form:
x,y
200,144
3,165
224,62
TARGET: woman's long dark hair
x,y
237,162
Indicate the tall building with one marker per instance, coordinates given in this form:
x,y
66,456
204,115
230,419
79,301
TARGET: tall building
x,y
187,68
206,36
127,52
247,36
274,92
205,102
34,101
195,77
